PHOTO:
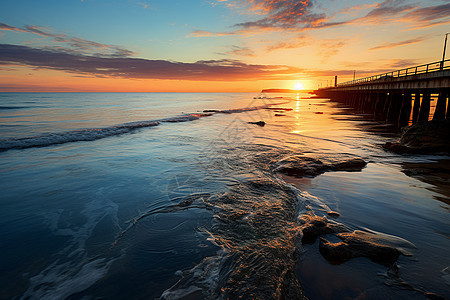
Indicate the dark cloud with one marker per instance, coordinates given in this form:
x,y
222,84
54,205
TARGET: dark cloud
x,y
396,44
125,67
399,10
306,15
389,8
73,44
4,26
429,16
283,14
431,13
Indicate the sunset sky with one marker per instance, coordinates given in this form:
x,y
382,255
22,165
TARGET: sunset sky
x,y
211,45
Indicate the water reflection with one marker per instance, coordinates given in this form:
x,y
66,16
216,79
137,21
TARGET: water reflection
x,y
436,173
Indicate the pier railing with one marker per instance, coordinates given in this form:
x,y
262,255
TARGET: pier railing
x,y
420,69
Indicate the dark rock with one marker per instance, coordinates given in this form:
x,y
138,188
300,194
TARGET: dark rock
x,y
396,148
426,137
354,164
314,226
259,123
433,296
280,115
299,166
279,108
319,113
358,245
211,110
333,214
335,252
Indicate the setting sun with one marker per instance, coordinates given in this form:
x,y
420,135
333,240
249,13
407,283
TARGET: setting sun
x,y
298,86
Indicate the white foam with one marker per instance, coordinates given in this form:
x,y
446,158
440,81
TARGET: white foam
x,y
89,134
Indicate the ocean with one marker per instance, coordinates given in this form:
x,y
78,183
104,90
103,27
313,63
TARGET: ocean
x,y
175,196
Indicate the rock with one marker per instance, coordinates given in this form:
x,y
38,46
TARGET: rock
x,y
300,166
280,115
314,226
259,123
354,245
433,136
396,148
333,214
351,165
319,113
433,296
279,108
427,137
335,252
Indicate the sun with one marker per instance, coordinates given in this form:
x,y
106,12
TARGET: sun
x,y
298,86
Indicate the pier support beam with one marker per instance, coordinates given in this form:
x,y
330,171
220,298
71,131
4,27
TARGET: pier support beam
x,y
439,113
394,107
405,111
424,112
416,107
387,104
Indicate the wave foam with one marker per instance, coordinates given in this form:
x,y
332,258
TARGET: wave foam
x,y
90,134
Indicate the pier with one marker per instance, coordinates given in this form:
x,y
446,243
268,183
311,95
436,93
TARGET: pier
x,y
402,97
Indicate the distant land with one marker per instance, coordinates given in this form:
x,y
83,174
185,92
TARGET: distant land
x,y
284,91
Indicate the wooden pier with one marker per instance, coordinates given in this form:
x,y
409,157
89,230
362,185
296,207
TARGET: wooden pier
x,y
401,97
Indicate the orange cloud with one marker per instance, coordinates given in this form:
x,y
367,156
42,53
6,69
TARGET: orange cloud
x,y
397,44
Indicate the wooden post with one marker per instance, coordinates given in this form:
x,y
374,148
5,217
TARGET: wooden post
x,y
439,113
387,103
424,112
405,110
416,108
448,106
394,108
392,111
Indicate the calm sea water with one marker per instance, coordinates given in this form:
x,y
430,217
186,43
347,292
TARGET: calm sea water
x,y
142,195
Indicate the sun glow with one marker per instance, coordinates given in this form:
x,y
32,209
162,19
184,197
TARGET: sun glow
x,y
298,86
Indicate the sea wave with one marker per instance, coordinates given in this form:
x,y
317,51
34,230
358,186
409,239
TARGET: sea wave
x,y
92,134
89,134
12,107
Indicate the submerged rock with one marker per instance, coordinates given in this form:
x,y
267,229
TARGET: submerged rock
x,y
396,147
300,166
333,214
279,108
358,244
433,296
314,226
259,123
354,164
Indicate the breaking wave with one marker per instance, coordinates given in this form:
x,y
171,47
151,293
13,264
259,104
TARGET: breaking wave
x,y
92,134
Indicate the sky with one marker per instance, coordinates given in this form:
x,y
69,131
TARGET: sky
x,y
211,45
